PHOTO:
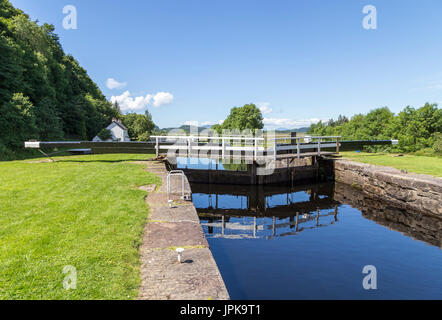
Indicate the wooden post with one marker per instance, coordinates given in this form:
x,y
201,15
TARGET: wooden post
x,y
317,217
255,155
297,217
274,156
157,147
189,147
337,145
319,147
298,147
293,138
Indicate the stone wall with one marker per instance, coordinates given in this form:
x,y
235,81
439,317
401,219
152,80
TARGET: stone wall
x,y
410,191
413,224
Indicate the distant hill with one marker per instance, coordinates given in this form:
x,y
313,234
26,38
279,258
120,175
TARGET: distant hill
x,y
299,130
187,128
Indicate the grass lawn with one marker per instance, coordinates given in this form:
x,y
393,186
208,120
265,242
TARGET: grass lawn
x,y
81,211
413,163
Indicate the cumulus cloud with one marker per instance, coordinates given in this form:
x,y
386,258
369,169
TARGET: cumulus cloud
x,y
111,83
202,124
289,123
162,98
129,103
264,107
191,123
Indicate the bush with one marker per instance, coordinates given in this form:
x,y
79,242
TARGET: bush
x,y
105,134
437,146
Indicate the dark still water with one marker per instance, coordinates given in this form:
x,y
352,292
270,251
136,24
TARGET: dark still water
x,y
313,242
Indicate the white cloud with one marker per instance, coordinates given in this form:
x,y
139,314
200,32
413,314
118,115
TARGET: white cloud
x,y
264,107
191,123
129,103
202,124
288,123
162,98
111,83
211,123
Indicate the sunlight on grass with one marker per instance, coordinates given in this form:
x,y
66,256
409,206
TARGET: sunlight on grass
x,y
412,163
83,211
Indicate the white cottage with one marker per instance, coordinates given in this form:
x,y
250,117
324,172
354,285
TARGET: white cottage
x,y
118,131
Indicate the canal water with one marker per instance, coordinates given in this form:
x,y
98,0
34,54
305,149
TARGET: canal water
x,y
314,241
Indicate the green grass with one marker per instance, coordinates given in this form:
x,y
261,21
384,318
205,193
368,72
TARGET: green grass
x,y
413,163
82,211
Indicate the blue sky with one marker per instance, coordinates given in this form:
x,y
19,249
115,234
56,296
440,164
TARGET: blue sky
x,y
299,60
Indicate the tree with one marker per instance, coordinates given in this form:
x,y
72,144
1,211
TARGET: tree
x,y
17,122
47,121
104,134
242,118
414,128
139,126
36,75
438,142
217,128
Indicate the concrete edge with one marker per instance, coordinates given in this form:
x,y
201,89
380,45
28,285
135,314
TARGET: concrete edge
x,y
167,228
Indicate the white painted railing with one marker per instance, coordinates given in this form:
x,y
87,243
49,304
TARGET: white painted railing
x,y
309,143
253,146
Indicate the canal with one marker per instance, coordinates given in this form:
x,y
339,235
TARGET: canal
x,y
313,242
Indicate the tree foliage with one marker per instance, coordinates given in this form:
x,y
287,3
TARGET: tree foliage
x,y
416,129
438,143
140,126
44,93
247,117
105,134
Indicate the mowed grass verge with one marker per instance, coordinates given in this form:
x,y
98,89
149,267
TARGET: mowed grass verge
x,y
431,165
82,211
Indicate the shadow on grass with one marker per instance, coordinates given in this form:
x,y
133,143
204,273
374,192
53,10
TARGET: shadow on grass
x,y
103,161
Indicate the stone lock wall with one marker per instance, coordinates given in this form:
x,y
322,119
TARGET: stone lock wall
x,y
410,191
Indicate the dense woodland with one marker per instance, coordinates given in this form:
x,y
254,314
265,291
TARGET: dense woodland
x,y
416,129
44,93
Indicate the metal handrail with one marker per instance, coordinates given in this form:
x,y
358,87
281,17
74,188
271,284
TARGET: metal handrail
x,y
175,173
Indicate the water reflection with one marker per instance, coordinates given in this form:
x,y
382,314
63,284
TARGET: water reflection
x,y
251,212
263,212
312,242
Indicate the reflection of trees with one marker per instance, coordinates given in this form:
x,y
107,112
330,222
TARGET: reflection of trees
x,y
234,166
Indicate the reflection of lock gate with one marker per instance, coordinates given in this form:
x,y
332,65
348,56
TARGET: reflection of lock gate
x,y
255,227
